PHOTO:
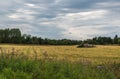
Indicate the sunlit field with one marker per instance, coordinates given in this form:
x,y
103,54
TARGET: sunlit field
x,y
99,54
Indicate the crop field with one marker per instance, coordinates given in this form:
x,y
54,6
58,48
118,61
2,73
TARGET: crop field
x,y
99,54
62,62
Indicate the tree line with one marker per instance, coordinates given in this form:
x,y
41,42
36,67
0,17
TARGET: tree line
x,y
15,36
103,40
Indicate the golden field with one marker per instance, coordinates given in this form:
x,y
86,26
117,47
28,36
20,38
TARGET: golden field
x,y
97,55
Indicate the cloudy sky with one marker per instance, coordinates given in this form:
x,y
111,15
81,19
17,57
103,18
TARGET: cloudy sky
x,y
57,19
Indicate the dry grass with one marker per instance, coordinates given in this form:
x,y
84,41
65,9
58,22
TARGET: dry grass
x,y
97,55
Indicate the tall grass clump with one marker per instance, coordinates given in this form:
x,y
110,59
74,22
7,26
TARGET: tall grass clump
x,y
19,66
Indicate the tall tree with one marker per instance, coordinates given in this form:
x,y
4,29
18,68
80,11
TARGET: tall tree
x,y
15,35
116,39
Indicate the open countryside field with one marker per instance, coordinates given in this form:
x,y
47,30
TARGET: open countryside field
x,y
97,55
59,62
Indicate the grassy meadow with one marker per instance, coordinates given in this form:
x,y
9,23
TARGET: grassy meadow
x,y
59,62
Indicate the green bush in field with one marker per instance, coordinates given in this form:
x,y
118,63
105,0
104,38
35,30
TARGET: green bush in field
x,y
22,68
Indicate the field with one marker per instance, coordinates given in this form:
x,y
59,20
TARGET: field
x,y
99,54
101,62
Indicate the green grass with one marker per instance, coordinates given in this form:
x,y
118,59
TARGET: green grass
x,y
21,67
59,62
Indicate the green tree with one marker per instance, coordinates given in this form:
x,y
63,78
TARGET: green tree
x,y
15,35
116,39
35,40
119,41
28,39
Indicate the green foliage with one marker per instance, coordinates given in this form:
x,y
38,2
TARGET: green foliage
x,y
102,40
22,68
116,39
10,36
14,36
119,41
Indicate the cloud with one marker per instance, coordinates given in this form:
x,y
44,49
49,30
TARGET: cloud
x,y
72,19
18,16
108,4
23,11
30,5
86,15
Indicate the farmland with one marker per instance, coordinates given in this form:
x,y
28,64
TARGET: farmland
x,y
62,62
99,54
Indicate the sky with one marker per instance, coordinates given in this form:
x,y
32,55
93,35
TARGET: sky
x,y
62,19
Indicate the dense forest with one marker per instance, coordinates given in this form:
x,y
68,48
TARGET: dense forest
x,y
14,36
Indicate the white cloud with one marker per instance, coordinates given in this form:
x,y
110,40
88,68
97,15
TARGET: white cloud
x,y
30,5
24,11
33,5
19,16
86,15
22,14
77,19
